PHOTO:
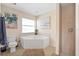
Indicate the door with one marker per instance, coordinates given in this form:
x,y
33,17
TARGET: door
x,y
67,18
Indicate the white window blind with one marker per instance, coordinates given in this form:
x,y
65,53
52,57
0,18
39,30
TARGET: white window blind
x,y
27,25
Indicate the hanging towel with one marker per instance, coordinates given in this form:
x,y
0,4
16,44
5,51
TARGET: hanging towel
x,y
3,38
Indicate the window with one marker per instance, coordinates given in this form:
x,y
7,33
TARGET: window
x,y
27,25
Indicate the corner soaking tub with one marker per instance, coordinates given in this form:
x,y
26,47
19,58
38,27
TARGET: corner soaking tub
x,y
34,42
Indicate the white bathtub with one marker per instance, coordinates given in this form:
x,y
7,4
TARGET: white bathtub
x,y
34,42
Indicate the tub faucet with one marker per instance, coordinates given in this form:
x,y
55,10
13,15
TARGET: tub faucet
x,y
36,31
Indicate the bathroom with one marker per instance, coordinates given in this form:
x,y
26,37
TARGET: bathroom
x,y
42,35
37,29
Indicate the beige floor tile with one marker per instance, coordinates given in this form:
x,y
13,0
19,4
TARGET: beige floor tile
x,y
49,51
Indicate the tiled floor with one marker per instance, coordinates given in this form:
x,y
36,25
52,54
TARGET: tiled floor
x,y
49,51
33,52
19,52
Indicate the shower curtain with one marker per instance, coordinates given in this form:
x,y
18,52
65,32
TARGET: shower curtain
x,y
3,39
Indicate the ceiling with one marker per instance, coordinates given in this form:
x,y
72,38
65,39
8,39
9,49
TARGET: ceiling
x,y
34,9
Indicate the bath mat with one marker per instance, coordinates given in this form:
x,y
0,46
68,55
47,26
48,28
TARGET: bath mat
x,y
33,52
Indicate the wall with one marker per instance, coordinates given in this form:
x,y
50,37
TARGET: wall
x,y
57,29
77,30
20,15
0,7
53,31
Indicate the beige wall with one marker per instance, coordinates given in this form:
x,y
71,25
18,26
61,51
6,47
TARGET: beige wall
x,y
57,28
20,15
77,30
0,7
